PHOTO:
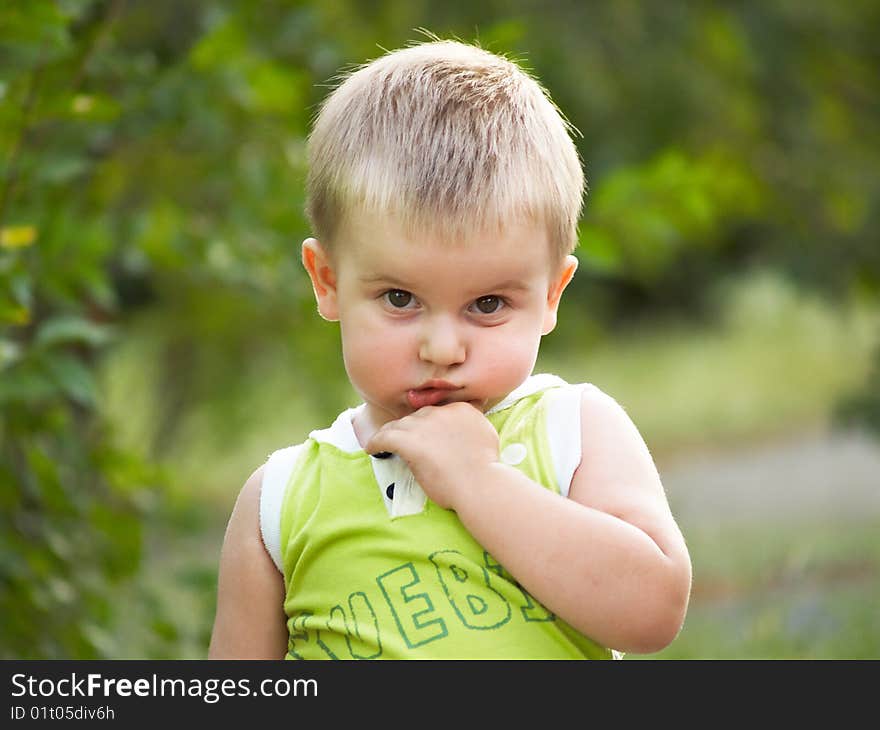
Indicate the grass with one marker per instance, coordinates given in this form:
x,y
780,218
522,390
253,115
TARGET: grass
x,y
807,591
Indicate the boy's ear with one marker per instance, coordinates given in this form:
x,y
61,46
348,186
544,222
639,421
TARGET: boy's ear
x,y
320,268
554,295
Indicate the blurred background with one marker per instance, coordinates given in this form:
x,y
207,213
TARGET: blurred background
x,y
158,338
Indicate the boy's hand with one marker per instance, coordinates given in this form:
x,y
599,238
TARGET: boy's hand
x,y
444,447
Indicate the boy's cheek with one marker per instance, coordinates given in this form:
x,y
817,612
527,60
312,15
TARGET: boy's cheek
x,y
372,353
505,363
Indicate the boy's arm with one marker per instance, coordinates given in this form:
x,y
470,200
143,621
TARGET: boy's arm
x,y
250,621
609,559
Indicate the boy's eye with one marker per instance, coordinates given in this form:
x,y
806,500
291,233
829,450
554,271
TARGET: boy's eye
x,y
398,298
488,304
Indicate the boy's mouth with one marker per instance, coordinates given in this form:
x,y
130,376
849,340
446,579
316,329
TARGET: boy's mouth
x,y
431,393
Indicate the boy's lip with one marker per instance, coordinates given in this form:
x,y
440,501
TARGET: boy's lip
x,y
430,393
435,384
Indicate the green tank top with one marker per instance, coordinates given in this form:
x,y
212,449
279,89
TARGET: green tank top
x,y
370,574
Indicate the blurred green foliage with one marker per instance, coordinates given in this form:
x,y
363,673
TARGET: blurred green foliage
x,y
153,166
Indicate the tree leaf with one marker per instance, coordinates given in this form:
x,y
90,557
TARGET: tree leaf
x,y
73,329
74,379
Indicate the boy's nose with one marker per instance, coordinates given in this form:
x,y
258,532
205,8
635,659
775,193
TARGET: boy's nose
x,y
442,343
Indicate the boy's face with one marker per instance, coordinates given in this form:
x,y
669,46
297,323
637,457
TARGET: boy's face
x,y
468,316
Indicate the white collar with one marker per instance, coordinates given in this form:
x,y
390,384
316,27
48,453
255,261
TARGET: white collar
x,y
341,434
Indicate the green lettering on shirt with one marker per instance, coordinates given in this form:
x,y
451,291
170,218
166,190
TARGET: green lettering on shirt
x,y
478,605
365,626
410,609
299,634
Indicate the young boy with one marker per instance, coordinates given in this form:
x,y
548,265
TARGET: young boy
x,y
466,509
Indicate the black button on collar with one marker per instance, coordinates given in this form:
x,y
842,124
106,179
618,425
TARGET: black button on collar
x,y
389,491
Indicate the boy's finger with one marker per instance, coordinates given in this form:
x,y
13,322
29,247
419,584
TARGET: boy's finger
x,y
394,437
381,443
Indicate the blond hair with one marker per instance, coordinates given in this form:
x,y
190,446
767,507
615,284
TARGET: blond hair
x,y
447,138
